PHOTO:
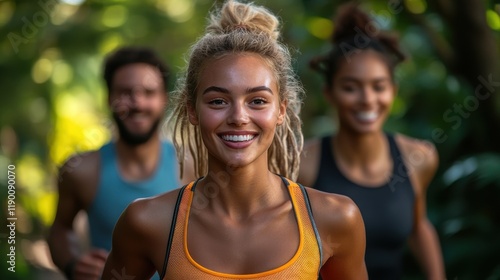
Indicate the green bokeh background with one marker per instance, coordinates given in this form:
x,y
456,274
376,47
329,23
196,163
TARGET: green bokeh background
x,y
53,103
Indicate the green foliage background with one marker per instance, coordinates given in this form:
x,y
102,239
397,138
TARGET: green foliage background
x,y
53,103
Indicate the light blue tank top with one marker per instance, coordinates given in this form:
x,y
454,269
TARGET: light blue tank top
x,y
114,193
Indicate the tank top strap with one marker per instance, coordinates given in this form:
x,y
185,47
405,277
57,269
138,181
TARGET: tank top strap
x,y
393,146
172,226
327,152
311,218
399,168
305,264
107,154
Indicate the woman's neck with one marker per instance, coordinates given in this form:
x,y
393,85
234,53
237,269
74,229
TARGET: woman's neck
x,y
240,192
360,149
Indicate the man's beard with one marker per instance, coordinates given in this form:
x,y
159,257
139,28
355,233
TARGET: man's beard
x,y
134,139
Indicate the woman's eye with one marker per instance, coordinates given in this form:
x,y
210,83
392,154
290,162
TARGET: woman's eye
x,y
348,88
259,101
216,102
379,88
150,92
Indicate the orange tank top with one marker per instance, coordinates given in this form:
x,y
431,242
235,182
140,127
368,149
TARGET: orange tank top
x,y
305,264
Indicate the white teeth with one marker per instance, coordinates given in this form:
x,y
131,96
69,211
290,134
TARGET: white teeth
x,y
237,138
367,116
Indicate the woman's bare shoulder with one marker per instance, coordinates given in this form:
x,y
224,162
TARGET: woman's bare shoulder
x,y
333,211
339,223
420,157
409,144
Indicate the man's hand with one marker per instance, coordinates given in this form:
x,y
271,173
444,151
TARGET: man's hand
x,y
90,265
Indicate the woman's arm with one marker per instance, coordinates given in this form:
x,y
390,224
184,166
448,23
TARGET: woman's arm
x,y
129,257
423,160
424,244
342,234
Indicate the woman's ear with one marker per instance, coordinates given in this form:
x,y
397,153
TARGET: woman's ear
x,y
282,112
193,117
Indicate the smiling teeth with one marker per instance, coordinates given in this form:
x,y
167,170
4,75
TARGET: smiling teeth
x,y
367,116
237,138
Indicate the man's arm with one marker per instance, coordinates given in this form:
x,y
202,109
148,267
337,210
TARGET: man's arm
x,y
63,241
76,184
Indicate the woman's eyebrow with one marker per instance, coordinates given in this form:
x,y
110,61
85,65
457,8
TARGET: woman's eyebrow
x,y
249,90
259,88
376,80
216,89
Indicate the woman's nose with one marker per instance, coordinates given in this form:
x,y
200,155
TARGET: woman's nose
x,y
367,95
238,115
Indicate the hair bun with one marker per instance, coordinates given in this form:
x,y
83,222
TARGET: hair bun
x,y
351,20
348,21
235,16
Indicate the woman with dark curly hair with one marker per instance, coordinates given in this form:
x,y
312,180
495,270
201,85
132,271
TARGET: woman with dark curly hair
x,y
385,174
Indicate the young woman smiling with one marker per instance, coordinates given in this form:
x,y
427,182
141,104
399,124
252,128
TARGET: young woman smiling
x,y
236,112
385,174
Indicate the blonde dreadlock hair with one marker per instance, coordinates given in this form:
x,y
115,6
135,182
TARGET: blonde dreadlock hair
x,y
238,28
